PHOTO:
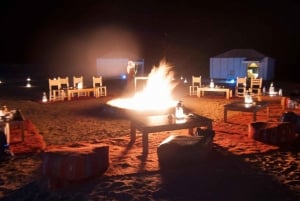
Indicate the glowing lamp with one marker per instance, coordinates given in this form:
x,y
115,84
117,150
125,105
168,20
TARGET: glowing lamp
x,y
211,84
248,98
28,82
179,111
79,85
44,99
271,89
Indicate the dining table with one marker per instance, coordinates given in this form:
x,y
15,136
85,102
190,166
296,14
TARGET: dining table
x,y
247,107
227,91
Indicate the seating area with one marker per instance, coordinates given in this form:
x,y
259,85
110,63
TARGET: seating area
x,y
60,88
245,85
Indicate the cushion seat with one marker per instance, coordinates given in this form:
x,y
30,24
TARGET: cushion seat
x,y
274,133
67,165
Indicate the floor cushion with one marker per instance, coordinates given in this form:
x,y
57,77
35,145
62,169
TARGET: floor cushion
x,y
64,166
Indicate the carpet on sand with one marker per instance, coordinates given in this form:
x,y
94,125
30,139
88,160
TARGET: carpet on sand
x,y
232,136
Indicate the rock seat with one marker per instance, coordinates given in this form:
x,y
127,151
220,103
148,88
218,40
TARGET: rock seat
x,y
180,149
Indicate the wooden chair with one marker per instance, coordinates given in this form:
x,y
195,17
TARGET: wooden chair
x,y
64,82
255,86
99,89
55,91
64,85
240,88
196,83
78,82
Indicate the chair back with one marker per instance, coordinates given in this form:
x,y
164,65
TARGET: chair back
x,y
54,90
77,82
241,85
99,89
64,82
196,81
97,81
54,84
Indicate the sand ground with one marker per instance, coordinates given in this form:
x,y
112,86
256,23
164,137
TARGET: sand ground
x,y
237,168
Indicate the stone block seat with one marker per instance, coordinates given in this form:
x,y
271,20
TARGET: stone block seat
x,y
68,165
177,150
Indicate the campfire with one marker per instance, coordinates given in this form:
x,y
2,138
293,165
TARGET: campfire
x,y
155,97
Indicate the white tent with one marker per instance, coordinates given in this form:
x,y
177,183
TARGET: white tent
x,y
241,63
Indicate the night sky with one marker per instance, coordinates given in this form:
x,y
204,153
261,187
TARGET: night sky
x,y
70,35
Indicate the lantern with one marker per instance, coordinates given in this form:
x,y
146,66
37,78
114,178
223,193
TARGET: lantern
x,y
211,84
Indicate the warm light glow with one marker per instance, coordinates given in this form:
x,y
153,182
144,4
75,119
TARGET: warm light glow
x,y
179,113
253,65
79,85
271,89
44,99
157,94
28,82
248,99
211,84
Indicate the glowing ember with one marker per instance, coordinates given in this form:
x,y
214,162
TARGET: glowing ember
x,y
157,94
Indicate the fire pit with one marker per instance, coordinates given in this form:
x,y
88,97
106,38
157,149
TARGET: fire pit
x,y
154,109
147,121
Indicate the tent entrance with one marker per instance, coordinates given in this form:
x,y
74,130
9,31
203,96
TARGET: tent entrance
x,y
253,69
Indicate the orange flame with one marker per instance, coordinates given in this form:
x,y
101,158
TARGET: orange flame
x,y
157,94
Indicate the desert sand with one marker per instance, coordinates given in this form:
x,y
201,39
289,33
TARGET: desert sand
x,y
237,167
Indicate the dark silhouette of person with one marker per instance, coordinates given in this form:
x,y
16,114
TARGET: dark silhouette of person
x,y
131,71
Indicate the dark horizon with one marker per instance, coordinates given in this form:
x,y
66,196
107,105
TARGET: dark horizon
x,y
74,35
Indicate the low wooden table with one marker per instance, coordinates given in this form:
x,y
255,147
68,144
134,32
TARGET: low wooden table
x,y
80,92
201,90
158,123
244,107
268,98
